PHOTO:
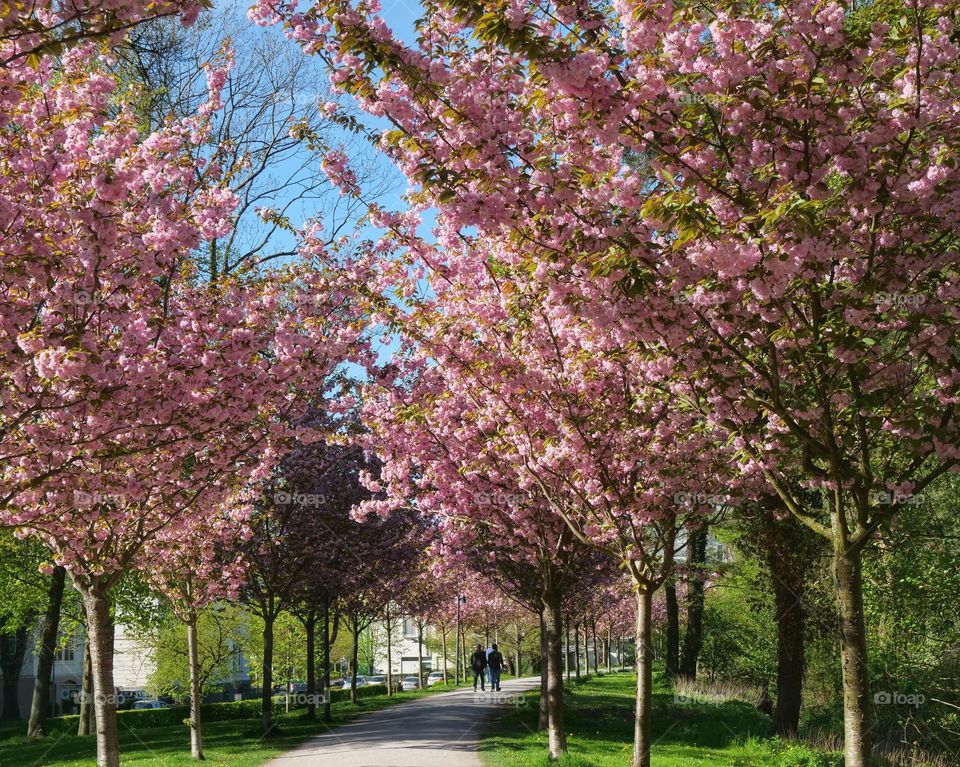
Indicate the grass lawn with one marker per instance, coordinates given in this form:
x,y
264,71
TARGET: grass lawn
x,y
236,743
599,715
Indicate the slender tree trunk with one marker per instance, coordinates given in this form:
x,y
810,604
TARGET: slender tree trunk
x,y
693,638
354,657
443,638
556,731
13,650
642,716
326,658
576,648
791,658
389,653
544,675
857,713
96,599
310,627
196,699
40,705
266,696
87,724
609,649
596,655
519,669
420,653
673,630
566,653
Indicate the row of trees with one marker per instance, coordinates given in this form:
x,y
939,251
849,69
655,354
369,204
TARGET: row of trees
x,y
687,258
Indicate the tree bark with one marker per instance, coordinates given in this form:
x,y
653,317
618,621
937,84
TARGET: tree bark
x,y
544,655
693,638
310,628
196,698
355,655
326,658
673,630
13,650
576,648
443,639
596,655
566,653
791,658
390,652
857,713
266,695
40,705
420,652
96,599
642,714
556,731
87,724
609,649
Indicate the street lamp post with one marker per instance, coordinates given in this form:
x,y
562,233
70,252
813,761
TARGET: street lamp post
x,y
460,601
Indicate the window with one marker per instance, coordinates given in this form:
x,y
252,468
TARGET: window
x,y
66,652
409,628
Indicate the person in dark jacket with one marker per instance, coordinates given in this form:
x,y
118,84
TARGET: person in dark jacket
x,y
495,663
478,662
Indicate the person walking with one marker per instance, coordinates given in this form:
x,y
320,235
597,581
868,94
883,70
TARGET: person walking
x,y
478,662
487,652
495,664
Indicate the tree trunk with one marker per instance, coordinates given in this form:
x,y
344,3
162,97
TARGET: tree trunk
x,y
87,724
609,649
556,731
443,639
326,658
791,659
420,652
596,655
576,648
13,650
389,653
266,695
857,714
566,652
310,627
673,630
355,655
196,700
96,600
642,715
40,705
693,639
544,653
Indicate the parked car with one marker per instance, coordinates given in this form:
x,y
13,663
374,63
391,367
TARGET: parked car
x,y
372,680
411,683
336,683
435,678
361,681
145,704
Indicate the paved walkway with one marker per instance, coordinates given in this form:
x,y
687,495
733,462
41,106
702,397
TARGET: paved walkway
x,y
436,731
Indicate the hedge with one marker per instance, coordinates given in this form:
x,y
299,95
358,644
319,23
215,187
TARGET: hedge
x,y
209,712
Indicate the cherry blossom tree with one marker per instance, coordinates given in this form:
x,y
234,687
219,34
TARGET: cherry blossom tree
x,y
772,187
193,569
134,397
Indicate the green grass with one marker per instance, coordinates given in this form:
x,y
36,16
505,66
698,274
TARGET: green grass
x,y
236,743
599,717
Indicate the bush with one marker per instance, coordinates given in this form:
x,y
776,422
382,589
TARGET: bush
x,y
209,712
